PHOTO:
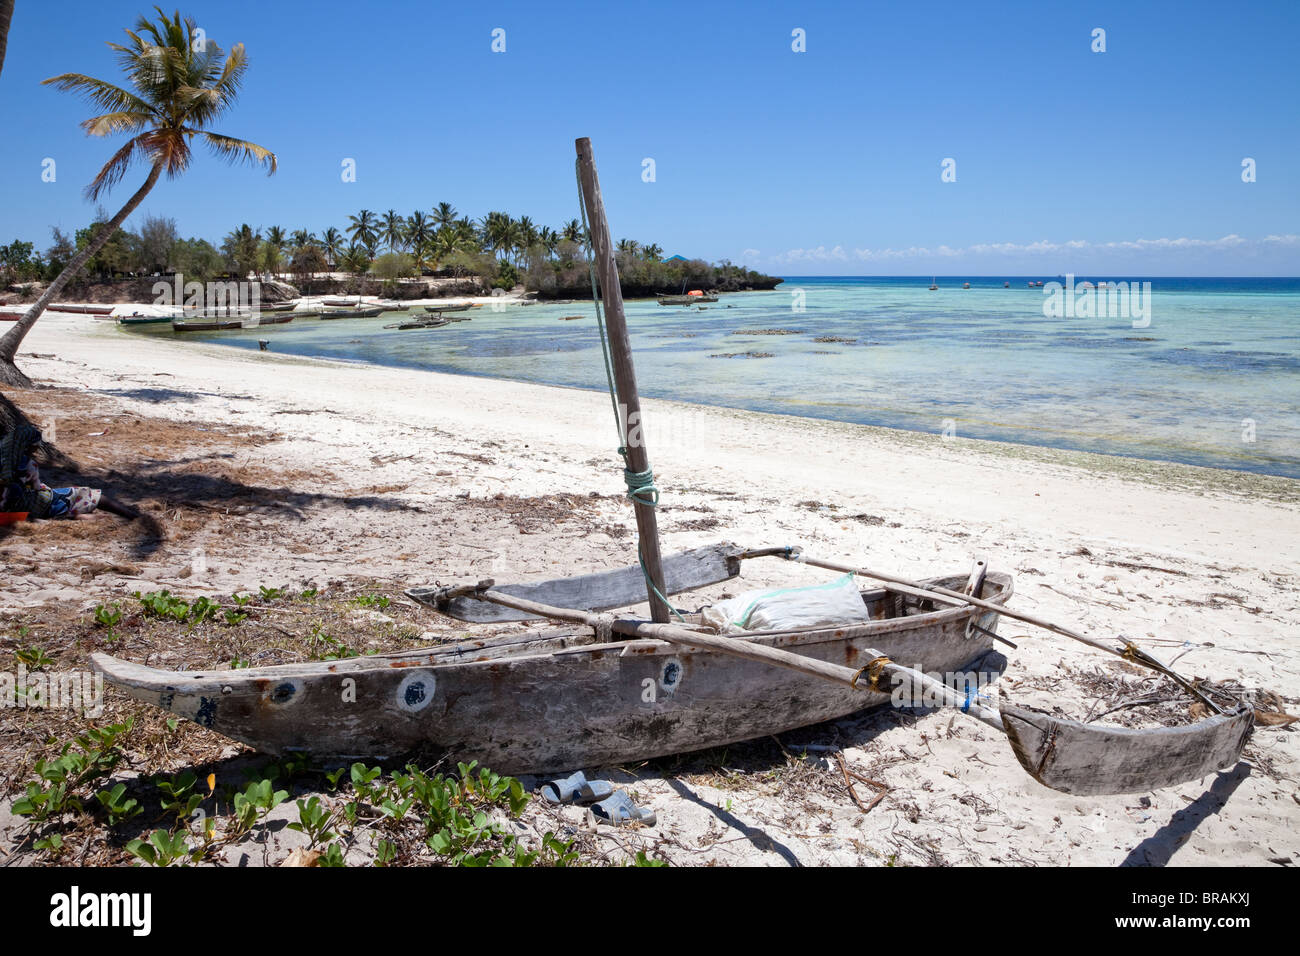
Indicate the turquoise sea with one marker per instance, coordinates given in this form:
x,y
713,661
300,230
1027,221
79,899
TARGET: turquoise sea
x,y
1213,379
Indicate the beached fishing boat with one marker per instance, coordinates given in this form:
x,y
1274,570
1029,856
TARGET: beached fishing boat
x,y
553,699
368,313
606,687
687,299
202,323
143,319
206,324
83,309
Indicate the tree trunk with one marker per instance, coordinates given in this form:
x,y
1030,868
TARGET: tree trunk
x,y
9,372
6,14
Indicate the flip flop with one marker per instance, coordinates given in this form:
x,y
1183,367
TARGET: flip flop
x,y
619,810
576,788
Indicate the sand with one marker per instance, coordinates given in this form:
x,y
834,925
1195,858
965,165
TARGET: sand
x,y
1189,562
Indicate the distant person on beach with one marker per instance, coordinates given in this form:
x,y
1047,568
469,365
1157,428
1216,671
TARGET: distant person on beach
x,y
21,488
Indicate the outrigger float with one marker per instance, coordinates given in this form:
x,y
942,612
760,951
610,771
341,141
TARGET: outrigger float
x,y
598,688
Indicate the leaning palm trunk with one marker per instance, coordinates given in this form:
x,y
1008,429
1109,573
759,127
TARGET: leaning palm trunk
x,y
9,372
6,14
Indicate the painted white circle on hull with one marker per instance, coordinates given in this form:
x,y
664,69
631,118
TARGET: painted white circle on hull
x,y
415,692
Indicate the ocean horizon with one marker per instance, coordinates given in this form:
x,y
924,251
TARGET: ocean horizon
x,y
1206,372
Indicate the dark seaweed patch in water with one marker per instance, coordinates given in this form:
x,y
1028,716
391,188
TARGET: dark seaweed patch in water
x,y
525,345
1229,361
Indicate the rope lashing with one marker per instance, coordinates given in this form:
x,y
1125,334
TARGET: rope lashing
x,y
874,670
641,487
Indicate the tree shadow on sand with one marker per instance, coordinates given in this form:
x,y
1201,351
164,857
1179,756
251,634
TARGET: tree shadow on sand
x,y
158,486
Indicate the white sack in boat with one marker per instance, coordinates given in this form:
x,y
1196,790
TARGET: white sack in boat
x,y
834,603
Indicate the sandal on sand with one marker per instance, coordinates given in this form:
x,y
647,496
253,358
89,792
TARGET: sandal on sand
x,y
619,810
576,789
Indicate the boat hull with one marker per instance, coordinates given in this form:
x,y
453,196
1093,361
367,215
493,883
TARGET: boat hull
x,y
551,701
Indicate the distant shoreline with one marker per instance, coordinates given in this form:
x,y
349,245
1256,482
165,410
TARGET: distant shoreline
x,y
1178,473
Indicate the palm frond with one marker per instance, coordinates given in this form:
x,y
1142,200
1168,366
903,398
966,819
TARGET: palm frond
x,y
122,121
100,93
113,171
240,151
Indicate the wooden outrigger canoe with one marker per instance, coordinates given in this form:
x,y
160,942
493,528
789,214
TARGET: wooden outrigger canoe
x,y
82,309
610,689
367,313
559,698
686,299
217,324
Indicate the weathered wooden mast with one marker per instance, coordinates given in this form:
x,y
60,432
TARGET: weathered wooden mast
x,y
638,459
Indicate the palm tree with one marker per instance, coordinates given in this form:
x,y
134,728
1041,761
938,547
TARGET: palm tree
x,y
393,230
175,93
363,229
549,239
444,214
276,240
418,229
356,259
333,243
300,238
528,234
421,253
653,251
572,230
450,239
6,14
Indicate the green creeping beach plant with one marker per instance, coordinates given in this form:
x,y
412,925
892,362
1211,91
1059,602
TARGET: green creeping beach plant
x,y
255,802
202,609
33,658
52,844
164,605
162,848
97,752
108,615
179,796
118,805
314,821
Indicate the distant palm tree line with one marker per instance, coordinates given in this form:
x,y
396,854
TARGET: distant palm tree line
x,y
429,239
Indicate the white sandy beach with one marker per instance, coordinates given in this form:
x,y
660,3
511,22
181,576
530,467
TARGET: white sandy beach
x,y
1188,562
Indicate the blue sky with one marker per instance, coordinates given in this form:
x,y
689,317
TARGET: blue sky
x,y
822,162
